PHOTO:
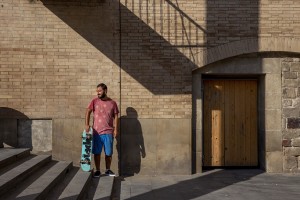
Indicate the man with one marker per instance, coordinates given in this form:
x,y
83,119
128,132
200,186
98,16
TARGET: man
x,y
105,127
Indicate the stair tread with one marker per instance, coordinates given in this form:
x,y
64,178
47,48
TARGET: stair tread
x,y
21,168
46,181
5,152
20,172
104,188
77,185
9,153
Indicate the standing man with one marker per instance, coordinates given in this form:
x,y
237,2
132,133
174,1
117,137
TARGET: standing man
x,y
104,126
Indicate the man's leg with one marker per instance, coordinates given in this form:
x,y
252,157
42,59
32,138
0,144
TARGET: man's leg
x,y
108,161
108,148
97,147
97,161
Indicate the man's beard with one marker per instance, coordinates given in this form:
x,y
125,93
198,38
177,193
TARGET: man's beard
x,y
102,96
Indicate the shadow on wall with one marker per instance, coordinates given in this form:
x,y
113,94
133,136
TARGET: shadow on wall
x,y
147,56
130,144
231,20
15,128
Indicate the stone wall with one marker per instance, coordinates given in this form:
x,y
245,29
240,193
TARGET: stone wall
x,y
291,114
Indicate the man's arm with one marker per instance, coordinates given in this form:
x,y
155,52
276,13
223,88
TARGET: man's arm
x,y
116,125
87,119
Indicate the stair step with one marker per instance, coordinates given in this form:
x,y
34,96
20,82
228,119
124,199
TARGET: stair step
x,y
40,188
10,155
19,173
77,186
104,188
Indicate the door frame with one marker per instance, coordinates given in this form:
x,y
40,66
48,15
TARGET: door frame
x,y
231,77
197,113
268,69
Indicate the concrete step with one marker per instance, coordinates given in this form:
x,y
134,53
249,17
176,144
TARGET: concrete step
x,y
104,188
21,186
40,188
9,179
24,176
14,164
78,186
10,155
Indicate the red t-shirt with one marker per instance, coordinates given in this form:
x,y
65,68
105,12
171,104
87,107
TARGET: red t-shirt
x,y
104,113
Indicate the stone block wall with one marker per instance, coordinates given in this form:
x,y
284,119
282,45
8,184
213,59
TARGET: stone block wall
x,y
291,114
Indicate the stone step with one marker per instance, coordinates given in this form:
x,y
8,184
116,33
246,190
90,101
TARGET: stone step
x,y
77,187
40,188
10,155
104,188
9,179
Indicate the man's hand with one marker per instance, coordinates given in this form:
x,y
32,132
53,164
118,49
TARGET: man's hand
x,y
115,132
87,128
87,119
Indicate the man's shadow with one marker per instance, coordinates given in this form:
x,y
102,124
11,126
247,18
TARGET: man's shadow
x,y
131,146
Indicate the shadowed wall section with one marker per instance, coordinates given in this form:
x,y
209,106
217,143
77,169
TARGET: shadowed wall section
x,y
227,22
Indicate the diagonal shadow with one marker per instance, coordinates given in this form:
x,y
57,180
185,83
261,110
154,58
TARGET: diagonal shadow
x,y
146,55
200,186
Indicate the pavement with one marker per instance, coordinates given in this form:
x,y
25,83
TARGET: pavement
x,y
233,184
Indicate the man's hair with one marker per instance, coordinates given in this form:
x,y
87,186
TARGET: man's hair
x,y
102,85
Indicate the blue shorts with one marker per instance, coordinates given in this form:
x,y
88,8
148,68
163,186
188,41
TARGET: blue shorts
x,y
100,140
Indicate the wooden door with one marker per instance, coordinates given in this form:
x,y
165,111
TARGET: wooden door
x,y
230,123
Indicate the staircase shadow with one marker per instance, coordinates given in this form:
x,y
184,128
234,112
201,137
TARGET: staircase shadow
x,y
191,188
128,40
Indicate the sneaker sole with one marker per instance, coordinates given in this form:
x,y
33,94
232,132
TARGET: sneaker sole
x,y
110,174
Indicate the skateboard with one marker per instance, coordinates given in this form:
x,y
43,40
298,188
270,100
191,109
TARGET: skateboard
x,y
86,150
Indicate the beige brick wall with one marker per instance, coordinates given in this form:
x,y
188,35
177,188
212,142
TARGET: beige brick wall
x,y
157,60
279,18
53,53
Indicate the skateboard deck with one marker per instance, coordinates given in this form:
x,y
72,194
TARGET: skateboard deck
x,y
86,150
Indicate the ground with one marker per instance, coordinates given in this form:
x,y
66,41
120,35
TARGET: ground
x,y
222,184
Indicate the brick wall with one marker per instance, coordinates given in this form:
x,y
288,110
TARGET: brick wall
x,y
53,54
157,58
279,18
291,114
